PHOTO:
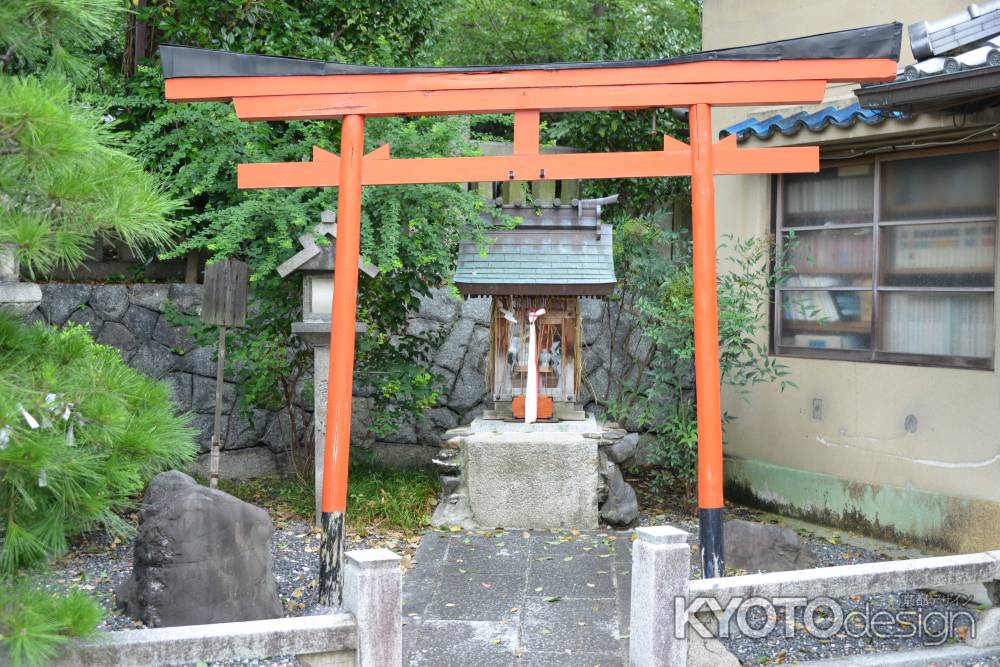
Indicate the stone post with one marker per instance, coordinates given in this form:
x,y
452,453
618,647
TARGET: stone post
x,y
321,373
373,588
661,565
15,297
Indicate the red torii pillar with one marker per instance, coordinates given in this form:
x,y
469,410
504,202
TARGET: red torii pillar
x,y
307,90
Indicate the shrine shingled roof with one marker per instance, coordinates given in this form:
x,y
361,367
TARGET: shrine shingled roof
x,y
554,251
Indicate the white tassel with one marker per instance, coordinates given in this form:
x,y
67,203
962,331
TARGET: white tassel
x,y
32,423
70,438
531,391
4,437
43,478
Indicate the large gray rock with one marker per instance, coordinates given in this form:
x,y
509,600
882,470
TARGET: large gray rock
x,y
185,298
180,389
621,507
433,424
110,301
469,389
622,450
200,361
762,547
20,299
201,556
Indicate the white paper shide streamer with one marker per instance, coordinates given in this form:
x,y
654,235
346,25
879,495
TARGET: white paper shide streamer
x,y
531,391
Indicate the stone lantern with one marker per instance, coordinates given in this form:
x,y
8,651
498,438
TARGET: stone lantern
x,y
15,297
316,262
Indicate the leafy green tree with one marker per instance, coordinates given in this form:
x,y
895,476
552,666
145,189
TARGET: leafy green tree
x,y
411,232
64,180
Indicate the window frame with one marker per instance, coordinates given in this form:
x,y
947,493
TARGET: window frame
x,y
875,355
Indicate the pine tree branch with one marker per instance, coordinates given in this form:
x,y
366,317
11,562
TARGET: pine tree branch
x,y
7,58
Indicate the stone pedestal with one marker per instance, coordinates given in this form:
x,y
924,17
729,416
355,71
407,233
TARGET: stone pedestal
x,y
514,475
532,480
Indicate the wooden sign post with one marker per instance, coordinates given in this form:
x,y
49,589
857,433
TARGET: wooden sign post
x,y
224,304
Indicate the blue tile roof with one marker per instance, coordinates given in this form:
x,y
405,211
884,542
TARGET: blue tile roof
x,y
845,117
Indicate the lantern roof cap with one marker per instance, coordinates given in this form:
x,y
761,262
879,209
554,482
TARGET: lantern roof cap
x,y
314,257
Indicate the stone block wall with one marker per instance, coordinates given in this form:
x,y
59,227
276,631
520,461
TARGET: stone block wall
x,y
131,319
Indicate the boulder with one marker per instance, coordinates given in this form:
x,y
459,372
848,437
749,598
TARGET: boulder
x,y
624,449
761,547
200,556
176,338
621,507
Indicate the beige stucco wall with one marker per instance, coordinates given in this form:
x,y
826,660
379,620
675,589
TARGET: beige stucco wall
x,y
861,434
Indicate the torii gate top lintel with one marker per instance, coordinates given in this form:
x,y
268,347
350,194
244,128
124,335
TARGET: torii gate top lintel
x,y
269,88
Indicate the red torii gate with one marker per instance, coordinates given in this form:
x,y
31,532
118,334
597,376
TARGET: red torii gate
x,y
270,88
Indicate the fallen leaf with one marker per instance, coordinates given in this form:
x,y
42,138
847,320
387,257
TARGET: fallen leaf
x,y
552,598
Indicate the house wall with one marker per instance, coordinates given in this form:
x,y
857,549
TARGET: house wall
x,y
855,463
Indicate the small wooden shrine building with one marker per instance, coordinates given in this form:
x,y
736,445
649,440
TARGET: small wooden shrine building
x,y
560,252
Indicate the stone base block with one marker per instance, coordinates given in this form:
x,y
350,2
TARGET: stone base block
x,y
19,298
531,480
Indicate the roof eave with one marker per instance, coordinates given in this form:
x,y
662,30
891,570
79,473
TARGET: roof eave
x,y
933,93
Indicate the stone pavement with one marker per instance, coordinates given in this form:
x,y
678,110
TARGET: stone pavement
x,y
509,598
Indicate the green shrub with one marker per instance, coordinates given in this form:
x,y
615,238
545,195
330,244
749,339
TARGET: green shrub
x,y
80,435
656,292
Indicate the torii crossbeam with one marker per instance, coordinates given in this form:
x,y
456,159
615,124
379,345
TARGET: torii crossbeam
x,y
794,71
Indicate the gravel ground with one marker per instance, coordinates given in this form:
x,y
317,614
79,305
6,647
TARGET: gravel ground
x,y
99,565
830,548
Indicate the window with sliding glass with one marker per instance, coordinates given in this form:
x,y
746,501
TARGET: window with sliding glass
x,y
892,259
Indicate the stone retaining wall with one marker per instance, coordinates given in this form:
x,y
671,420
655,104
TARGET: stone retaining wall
x,y
131,319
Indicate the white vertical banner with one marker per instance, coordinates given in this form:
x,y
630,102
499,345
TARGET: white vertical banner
x,y
531,391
